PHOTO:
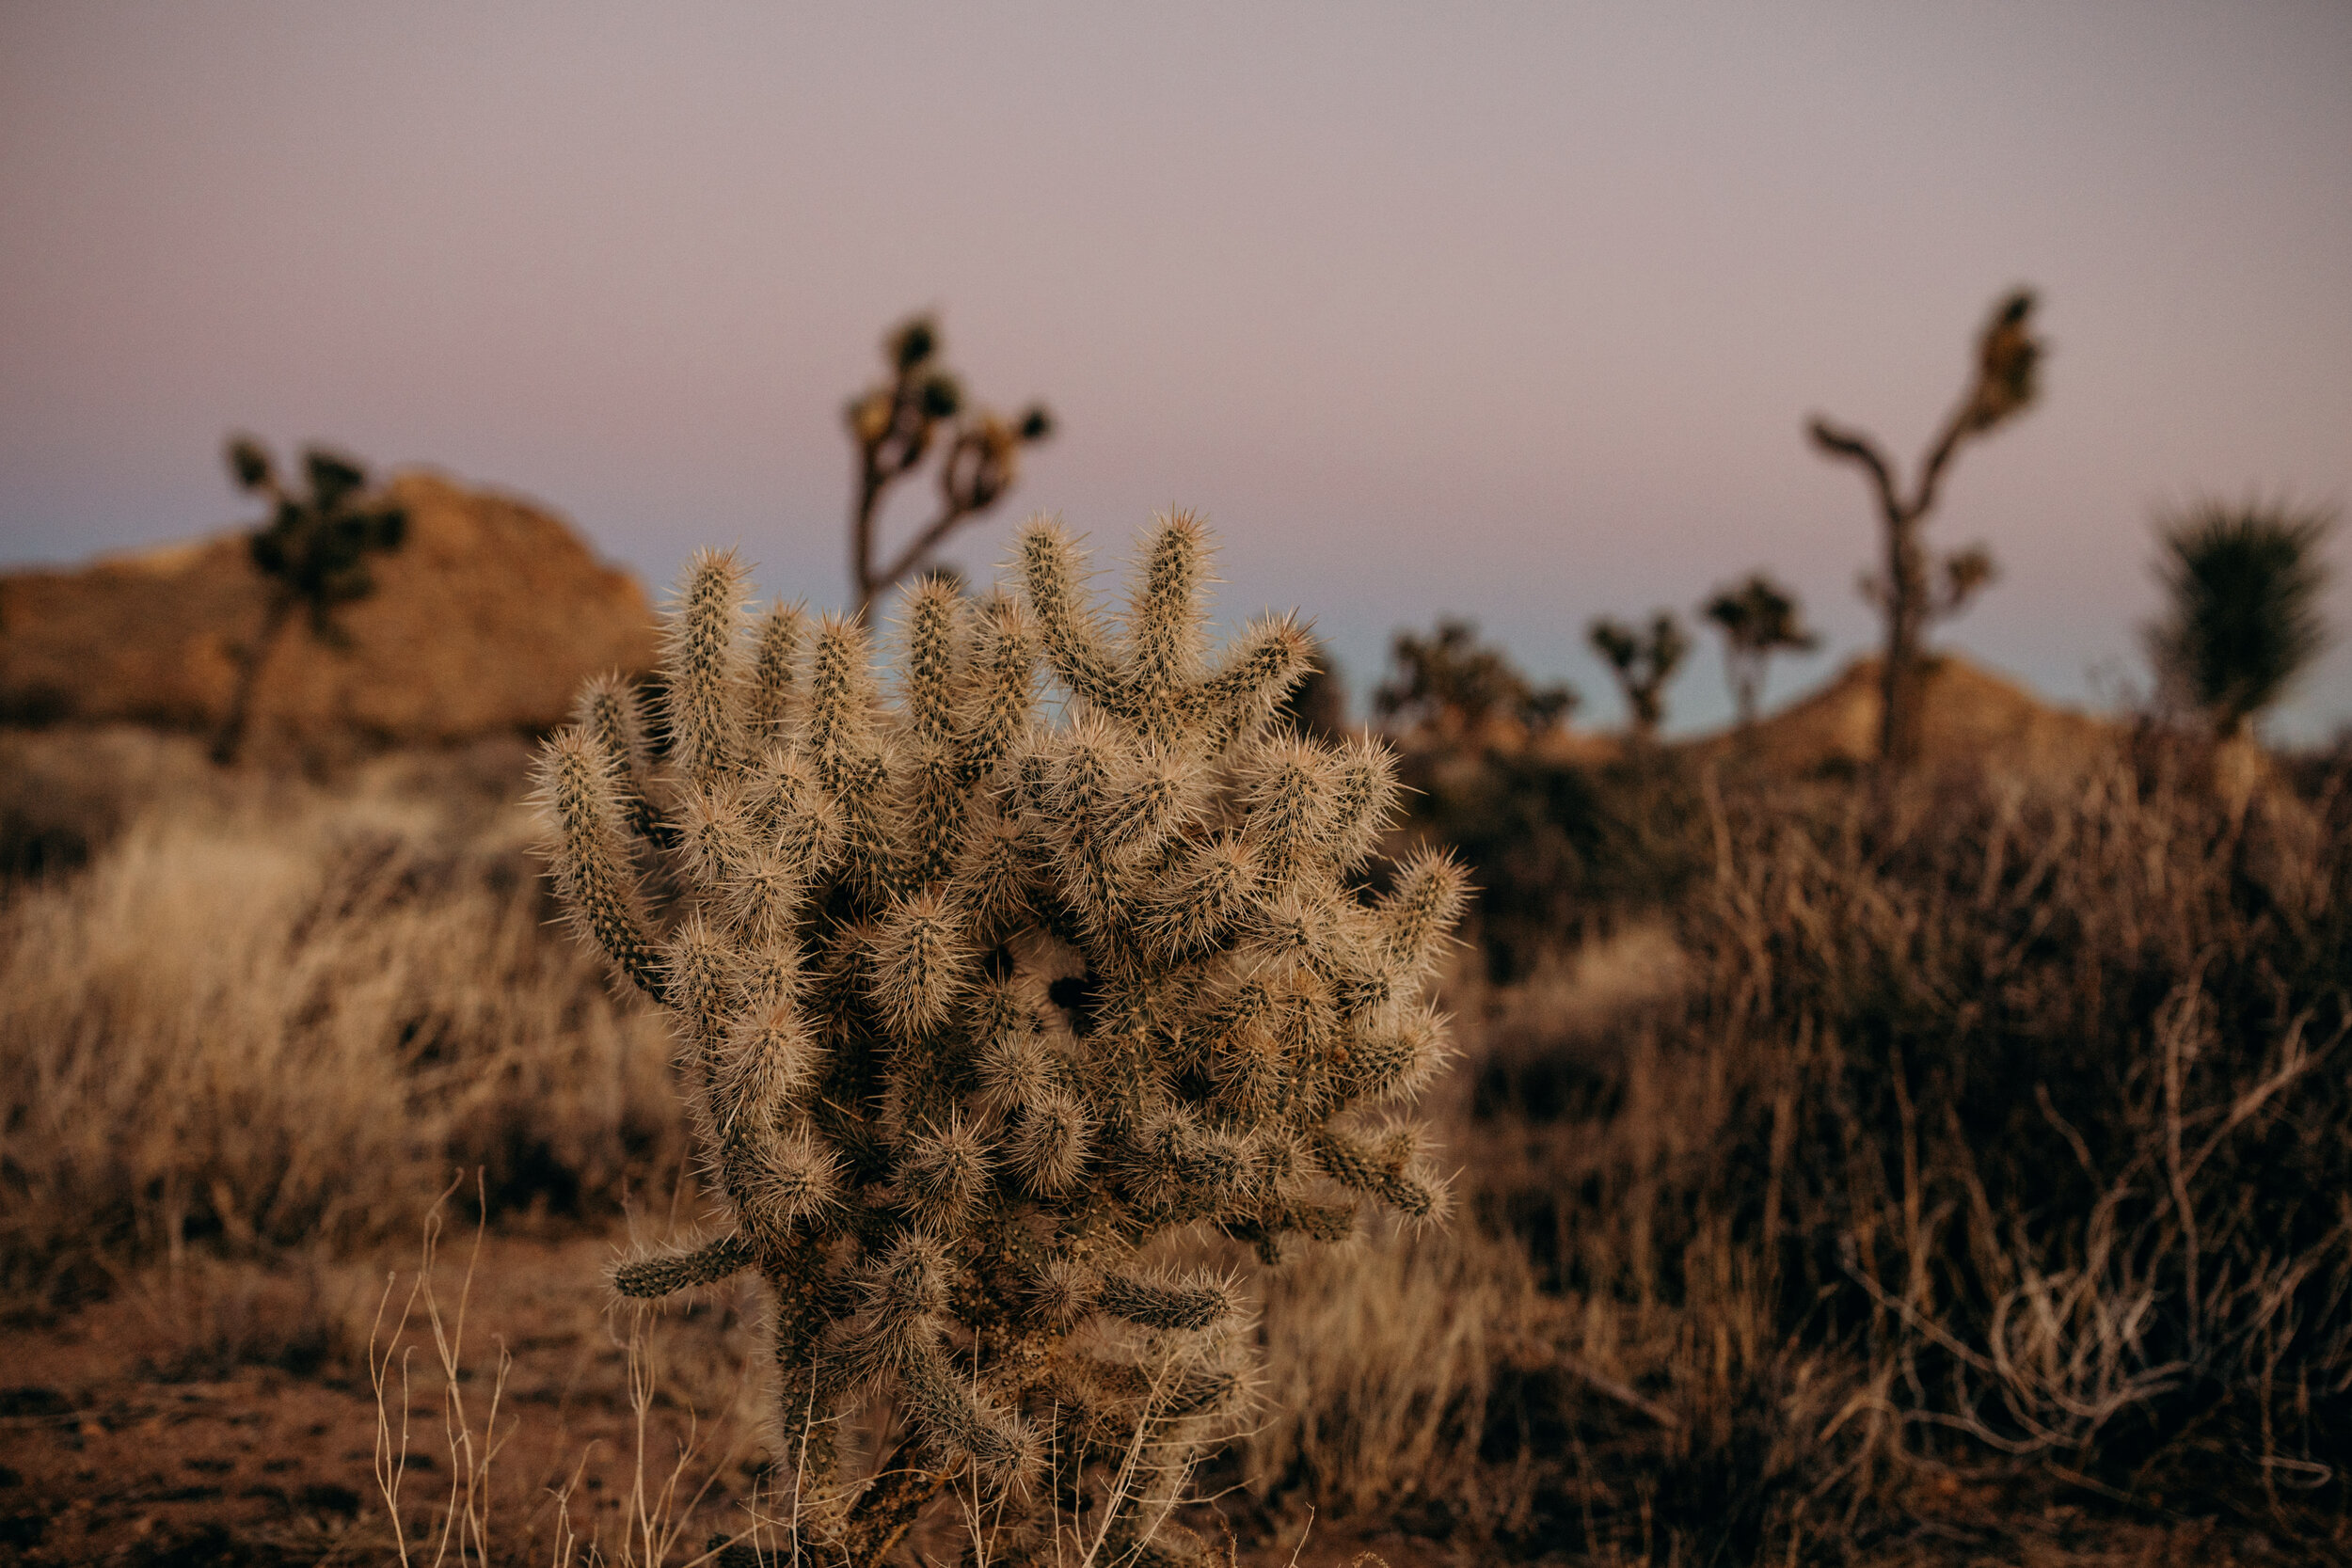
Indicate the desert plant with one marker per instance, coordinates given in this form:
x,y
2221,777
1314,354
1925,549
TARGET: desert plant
x,y
260,1022
1559,850
1757,618
313,552
1450,684
1643,661
975,1008
896,422
1912,593
2001,1133
2242,619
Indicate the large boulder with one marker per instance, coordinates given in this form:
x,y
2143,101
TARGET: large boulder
x,y
484,620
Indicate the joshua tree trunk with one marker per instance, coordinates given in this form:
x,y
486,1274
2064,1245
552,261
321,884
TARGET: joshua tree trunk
x,y
229,739
1743,698
1903,678
862,536
1905,589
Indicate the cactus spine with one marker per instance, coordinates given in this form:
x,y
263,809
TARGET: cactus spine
x,y
974,1006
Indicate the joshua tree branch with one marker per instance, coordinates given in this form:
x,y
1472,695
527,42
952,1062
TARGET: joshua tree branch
x,y
1859,450
1939,457
229,740
862,532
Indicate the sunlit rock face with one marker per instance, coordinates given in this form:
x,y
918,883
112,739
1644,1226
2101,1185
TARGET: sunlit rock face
x,y
485,620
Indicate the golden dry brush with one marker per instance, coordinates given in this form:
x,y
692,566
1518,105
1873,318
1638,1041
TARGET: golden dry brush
x,y
978,999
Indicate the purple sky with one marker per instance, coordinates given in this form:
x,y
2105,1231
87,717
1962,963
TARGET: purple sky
x,y
1510,311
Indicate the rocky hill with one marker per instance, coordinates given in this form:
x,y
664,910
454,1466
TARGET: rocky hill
x,y
1967,713
484,622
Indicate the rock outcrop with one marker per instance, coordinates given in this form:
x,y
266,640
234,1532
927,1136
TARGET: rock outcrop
x,y
484,620
1967,713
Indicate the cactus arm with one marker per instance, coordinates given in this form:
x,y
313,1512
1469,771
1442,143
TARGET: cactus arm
x,y
1154,794
1427,900
1050,570
1210,887
849,757
1381,1168
795,812
887,1509
588,856
608,708
1181,1305
1274,656
922,959
698,986
776,650
993,874
1163,623
934,613
768,1063
840,696
947,1410
1395,1063
799,1286
1005,687
1086,870
668,1272
1292,797
934,804
1365,800
702,655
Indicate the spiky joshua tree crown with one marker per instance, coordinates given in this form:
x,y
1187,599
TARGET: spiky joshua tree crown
x,y
976,1006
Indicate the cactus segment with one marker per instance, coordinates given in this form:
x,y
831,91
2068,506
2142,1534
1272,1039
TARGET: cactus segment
x,y
580,804
702,659
667,1272
776,648
1167,1304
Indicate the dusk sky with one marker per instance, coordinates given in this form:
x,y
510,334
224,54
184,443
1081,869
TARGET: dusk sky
x,y
1510,311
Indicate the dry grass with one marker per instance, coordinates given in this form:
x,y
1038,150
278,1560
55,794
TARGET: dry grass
x,y
685,1437
1974,1184
1384,1363
274,1024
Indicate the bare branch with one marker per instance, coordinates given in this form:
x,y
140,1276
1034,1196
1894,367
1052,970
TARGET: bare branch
x,y
1859,449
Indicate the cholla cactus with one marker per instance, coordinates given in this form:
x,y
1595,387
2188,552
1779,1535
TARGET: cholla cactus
x,y
975,1008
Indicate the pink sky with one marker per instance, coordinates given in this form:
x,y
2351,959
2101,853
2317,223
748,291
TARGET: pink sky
x,y
1510,311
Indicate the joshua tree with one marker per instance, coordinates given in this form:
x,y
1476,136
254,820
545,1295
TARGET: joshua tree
x,y
1643,665
975,1007
2244,584
1757,618
1911,592
313,552
895,423
1452,685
